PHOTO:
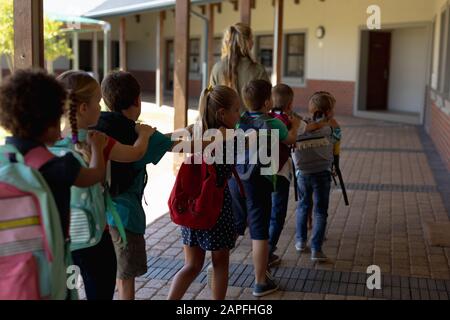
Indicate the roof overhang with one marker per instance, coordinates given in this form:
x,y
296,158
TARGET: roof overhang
x,y
129,9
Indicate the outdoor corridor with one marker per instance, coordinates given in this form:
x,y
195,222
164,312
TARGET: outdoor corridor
x,y
396,184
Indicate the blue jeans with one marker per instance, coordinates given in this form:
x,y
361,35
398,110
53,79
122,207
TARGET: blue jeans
x,y
316,186
280,200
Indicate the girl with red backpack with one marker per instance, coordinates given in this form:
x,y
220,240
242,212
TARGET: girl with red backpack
x,y
219,109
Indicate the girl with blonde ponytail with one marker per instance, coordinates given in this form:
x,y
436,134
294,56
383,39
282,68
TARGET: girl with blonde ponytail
x,y
219,109
96,258
237,66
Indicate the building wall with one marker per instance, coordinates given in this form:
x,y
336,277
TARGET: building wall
x,y
409,65
439,130
437,122
331,63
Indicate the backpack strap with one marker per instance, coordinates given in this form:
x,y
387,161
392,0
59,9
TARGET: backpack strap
x,y
239,182
111,209
38,157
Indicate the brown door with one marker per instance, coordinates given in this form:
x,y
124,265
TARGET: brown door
x,y
378,72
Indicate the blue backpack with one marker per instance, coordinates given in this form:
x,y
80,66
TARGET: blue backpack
x,y
249,167
89,206
34,255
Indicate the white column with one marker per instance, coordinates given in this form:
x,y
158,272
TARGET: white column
x,y
106,52
95,55
76,51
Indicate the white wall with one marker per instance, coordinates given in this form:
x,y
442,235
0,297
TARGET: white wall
x,y
408,74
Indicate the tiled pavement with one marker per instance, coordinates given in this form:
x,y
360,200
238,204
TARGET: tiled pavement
x,y
391,172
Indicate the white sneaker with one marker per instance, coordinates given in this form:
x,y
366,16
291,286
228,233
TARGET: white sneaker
x,y
210,275
300,246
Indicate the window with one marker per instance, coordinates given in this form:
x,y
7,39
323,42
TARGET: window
x,y
294,62
217,49
194,56
264,54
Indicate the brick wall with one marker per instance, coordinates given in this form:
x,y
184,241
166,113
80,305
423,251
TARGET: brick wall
x,y
344,91
439,131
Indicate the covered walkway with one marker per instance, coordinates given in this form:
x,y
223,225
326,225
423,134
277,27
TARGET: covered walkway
x,y
396,184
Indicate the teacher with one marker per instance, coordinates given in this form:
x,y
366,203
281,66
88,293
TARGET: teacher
x,y
237,67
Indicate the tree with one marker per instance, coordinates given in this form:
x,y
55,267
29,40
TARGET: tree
x,y
55,43
55,40
7,31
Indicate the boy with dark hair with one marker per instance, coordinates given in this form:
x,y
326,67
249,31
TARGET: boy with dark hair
x,y
122,94
257,96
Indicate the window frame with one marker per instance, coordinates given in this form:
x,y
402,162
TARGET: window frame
x,y
198,55
217,54
291,80
258,48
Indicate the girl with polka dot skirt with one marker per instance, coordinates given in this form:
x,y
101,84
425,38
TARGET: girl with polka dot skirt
x,y
97,263
219,109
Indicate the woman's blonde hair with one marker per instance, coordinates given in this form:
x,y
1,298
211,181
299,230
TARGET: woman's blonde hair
x,y
236,45
81,87
211,101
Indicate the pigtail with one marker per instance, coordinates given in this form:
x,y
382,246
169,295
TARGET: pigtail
x,y
73,116
204,109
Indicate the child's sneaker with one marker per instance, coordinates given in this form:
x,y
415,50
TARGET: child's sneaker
x,y
318,256
300,246
274,260
261,290
210,275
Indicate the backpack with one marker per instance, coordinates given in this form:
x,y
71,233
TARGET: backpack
x,y
245,168
33,253
196,200
88,206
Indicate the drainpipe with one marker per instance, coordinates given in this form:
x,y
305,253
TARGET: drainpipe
x,y
205,79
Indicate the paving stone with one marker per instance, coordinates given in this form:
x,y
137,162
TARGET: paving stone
x,y
415,294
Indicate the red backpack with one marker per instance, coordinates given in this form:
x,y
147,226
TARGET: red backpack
x,y
196,200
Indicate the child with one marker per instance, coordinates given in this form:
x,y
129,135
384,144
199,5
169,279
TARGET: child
x,y
32,104
219,108
122,94
258,188
97,262
283,97
313,161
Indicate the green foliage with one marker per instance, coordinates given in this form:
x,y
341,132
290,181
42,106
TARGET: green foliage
x,y
7,31
55,39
